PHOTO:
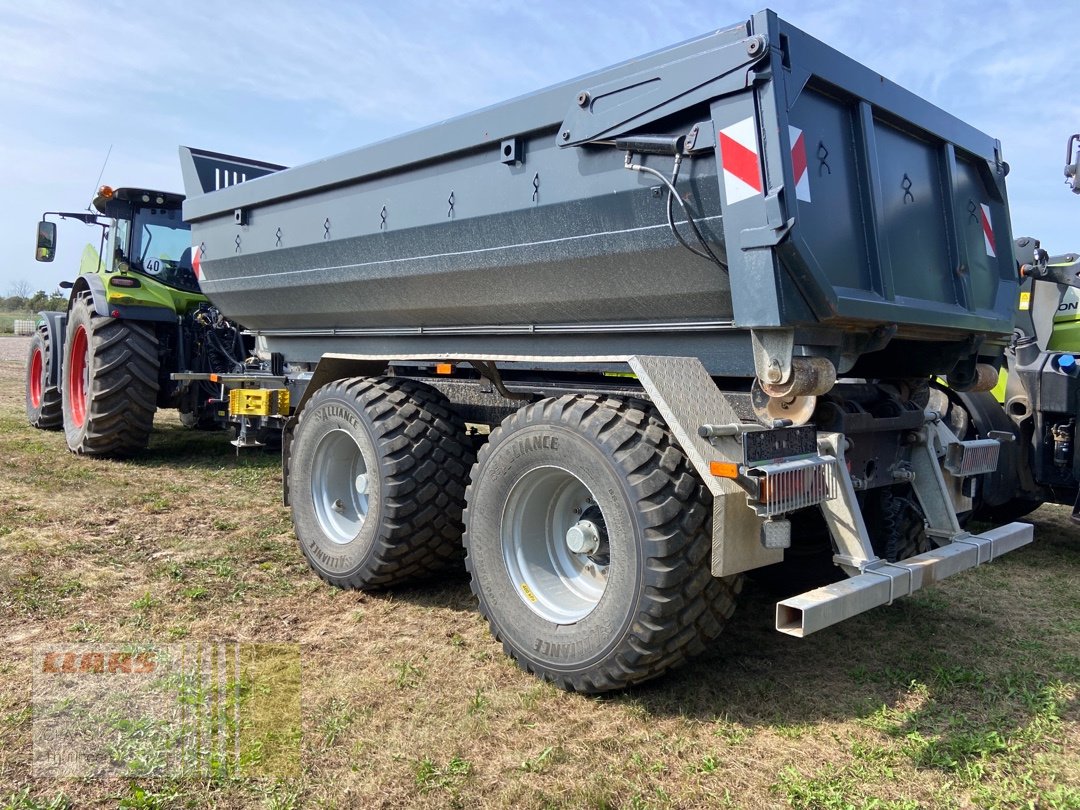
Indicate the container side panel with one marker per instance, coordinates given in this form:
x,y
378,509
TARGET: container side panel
x,y
471,242
913,217
977,230
828,189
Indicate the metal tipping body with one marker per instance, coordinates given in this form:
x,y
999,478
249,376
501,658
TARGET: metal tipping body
x,y
847,219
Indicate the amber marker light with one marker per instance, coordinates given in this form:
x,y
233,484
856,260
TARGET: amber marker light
x,y
724,469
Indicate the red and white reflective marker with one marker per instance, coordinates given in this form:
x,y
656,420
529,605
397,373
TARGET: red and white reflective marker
x,y
739,157
988,232
196,261
798,164
742,163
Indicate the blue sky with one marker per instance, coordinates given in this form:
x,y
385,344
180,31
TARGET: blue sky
x,y
293,82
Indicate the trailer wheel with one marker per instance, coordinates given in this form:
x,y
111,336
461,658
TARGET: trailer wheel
x,y
896,523
44,405
377,472
110,383
587,539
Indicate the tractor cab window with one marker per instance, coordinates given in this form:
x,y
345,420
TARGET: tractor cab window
x,y
161,247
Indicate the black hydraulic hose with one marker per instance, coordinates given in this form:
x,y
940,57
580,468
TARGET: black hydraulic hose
x,y
693,224
238,365
705,252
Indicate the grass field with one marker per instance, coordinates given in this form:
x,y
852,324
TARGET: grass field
x,y
965,695
7,320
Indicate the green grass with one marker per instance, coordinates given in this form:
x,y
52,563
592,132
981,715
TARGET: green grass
x,y
967,695
7,320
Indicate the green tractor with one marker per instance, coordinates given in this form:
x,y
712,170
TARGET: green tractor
x,y
1035,408
135,317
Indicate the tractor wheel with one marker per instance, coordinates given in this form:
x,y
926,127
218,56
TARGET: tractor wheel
x,y
110,383
587,539
377,471
44,408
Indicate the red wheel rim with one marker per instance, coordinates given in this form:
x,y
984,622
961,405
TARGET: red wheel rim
x,y
77,376
37,369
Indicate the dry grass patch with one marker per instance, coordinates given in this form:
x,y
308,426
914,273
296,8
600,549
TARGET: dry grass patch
x,y
962,696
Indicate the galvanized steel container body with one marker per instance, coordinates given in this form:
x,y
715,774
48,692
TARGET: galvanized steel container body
x,y
843,208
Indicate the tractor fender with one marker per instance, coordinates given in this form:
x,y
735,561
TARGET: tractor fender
x,y
55,324
92,283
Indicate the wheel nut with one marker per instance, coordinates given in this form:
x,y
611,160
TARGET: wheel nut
x,y
583,537
362,484
339,506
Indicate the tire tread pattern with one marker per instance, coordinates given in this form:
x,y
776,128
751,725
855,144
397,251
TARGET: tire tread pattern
x,y
425,458
50,414
122,385
683,607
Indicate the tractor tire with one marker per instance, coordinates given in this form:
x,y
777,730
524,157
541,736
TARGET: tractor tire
x,y
588,543
44,402
377,471
110,383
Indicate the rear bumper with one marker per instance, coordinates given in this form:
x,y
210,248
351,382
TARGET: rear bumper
x,y
881,583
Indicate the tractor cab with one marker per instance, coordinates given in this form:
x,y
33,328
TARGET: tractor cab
x,y
148,235
143,233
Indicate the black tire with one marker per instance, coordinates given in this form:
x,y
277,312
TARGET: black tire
x,y
1007,512
110,382
659,604
895,523
808,564
404,432
44,402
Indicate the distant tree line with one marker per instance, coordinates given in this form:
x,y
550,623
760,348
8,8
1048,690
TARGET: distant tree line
x,y
33,303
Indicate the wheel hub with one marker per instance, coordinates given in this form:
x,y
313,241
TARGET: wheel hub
x,y
78,374
340,486
37,370
583,537
555,545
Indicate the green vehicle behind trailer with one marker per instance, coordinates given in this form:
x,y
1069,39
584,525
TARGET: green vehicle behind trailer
x,y
1036,404
135,316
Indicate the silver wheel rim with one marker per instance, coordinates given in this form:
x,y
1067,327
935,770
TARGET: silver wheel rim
x,y
555,582
340,486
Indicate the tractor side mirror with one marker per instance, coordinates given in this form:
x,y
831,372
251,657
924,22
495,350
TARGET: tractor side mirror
x,y
46,241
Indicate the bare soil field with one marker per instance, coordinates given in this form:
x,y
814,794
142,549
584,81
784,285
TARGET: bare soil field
x,y
13,349
965,695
